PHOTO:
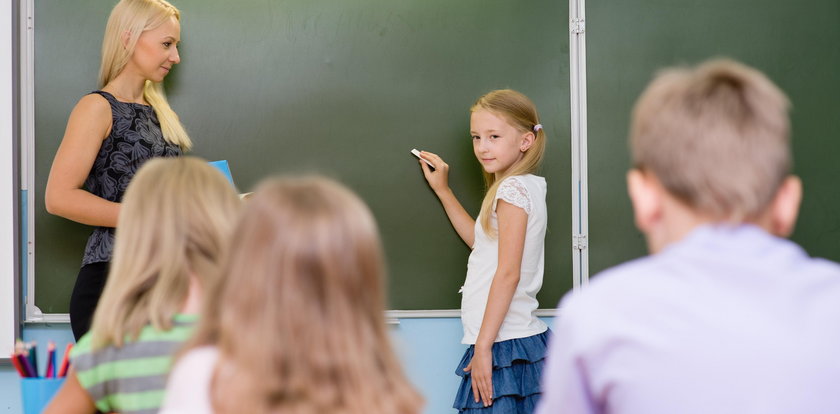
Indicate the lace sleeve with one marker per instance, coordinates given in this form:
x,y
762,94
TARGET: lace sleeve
x,y
514,192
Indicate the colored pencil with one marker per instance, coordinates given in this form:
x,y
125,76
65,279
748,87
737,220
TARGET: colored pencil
x,y
50,372
17,365
32,353
52,361
27,367
65,362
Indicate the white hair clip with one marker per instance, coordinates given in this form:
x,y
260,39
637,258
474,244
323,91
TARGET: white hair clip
x,y
537,127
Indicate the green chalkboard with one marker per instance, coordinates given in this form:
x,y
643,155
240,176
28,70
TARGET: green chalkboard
x,y
342,88
794,42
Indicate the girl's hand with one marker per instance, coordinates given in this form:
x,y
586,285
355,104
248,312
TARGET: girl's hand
x,y
481,370
439,178
439,182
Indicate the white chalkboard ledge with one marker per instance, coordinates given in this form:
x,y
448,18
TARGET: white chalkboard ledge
x,y
34,315
393,316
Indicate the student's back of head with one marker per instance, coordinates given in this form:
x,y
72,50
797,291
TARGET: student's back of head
x,y
298,316
176,217
711,144
716,136
718,317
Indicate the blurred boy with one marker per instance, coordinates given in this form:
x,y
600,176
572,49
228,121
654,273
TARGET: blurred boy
x,y
724,316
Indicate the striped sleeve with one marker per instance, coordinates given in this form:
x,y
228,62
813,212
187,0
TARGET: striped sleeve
x,y
130,379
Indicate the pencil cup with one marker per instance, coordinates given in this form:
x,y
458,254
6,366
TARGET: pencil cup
x,y
37,393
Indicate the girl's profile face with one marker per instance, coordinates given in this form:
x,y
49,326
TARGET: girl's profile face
x,y
497,144
157,51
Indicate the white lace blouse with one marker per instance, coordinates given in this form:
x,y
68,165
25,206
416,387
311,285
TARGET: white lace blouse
x,y
528,193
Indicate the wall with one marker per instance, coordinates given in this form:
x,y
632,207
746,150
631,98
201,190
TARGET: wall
x,y
430,349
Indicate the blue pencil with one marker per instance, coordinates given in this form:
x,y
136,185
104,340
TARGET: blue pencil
x,y
52,361
50,372
32,350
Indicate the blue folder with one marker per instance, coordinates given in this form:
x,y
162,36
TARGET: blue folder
x,y
222,165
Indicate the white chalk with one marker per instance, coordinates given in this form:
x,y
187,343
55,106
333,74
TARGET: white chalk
x,y
417,154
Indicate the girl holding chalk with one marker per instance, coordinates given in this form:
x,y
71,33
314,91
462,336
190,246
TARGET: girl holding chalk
x,y
111,133
501,368
302,329
176,219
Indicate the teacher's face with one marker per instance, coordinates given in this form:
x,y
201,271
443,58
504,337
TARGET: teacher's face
x,y
157,51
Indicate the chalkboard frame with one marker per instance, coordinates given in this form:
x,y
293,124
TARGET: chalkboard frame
x,y
9,181
33,313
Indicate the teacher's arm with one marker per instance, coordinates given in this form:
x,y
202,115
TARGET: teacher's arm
x,y
65,196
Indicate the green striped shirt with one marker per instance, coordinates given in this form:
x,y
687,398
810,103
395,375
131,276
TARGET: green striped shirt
x,y
131,379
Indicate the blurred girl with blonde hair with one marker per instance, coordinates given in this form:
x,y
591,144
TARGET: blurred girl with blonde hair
x,y
296,324
176,220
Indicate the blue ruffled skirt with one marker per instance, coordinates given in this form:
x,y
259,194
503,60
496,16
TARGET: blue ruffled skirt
x,y
517,369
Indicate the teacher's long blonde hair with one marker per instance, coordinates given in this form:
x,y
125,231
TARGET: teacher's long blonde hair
x,y
134,17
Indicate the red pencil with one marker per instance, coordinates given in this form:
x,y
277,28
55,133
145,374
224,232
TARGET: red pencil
x,y
65,362
17,365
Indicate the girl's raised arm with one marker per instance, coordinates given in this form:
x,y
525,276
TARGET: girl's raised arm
x,y
513,222
88,126
439,181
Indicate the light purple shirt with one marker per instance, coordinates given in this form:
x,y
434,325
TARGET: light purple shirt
x,y
728,320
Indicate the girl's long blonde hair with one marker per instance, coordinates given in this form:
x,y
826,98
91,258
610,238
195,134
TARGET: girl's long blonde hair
x,y
522,114
134,17
298,314
177,215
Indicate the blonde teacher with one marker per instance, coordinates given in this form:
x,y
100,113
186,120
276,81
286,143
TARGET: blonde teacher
x,y
112,132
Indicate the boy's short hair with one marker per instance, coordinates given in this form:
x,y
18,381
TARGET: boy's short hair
x,y
716,136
